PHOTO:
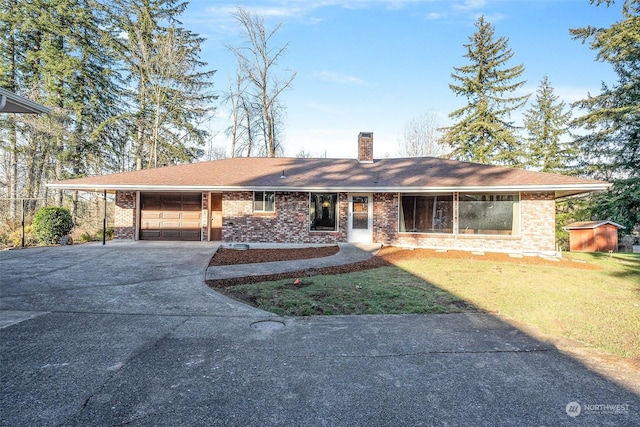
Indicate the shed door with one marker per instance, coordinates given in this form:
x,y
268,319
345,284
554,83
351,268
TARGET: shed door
x,y
170,216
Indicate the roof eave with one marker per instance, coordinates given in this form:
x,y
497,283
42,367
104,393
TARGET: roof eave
x,y
12,103
559,190
592,226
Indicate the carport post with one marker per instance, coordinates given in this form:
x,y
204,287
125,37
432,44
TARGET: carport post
x,y
23,203
104,220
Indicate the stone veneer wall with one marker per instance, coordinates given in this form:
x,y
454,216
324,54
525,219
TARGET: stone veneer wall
x,y
537,232
288,224
125,215
538,216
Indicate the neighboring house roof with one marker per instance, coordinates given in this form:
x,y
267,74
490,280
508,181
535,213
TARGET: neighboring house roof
x,y
12,103
417,174
581,225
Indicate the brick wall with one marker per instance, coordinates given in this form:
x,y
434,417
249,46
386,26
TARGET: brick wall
x,y
365,147
288,224
125,215
537,232
385,218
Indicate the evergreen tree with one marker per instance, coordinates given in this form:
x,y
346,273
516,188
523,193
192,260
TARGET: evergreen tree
x,y
484,132
168,88
53,57
8,131
546,122
611,148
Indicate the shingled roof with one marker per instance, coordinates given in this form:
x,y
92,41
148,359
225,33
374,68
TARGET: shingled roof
x,y
418,174
581,225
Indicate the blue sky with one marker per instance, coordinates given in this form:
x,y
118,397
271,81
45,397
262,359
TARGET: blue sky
x,y
372,65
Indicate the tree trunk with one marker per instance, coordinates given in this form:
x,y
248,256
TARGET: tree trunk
x,y
13,170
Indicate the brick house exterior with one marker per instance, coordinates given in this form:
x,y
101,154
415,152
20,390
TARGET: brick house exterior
x,y
290,223
125,215
417,202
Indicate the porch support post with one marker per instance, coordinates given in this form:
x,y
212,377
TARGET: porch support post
x,y
104,220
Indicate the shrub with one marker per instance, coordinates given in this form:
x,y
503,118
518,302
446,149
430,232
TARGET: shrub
x,y
15,237
110,233
50,223
84,237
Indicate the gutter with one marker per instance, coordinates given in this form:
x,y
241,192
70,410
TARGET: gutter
x,y
23,104
576,188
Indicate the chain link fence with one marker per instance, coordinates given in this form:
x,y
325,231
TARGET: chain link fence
x,y
88,211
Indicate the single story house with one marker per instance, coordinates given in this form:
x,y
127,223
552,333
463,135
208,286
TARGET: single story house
x,y
425,202
593,236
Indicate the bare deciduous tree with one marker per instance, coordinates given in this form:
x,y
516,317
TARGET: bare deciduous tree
x,y
259,87
421,137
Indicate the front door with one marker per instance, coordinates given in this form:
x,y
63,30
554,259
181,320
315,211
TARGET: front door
x,y
215,207
360,218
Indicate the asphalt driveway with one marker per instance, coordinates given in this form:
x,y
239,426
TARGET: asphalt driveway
x,y
128,334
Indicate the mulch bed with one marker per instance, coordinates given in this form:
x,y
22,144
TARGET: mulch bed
x,y
373,262
388,255
229,256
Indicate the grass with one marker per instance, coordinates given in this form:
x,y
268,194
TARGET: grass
x,y
386,290
600,308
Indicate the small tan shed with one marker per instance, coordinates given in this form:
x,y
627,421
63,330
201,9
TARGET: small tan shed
x,y
593,236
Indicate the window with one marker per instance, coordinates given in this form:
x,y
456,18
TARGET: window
x,y
360,213
489,214
323,211
264,201
426,213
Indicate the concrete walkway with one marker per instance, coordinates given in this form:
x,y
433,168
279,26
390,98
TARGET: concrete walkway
x,y
348,254
128,334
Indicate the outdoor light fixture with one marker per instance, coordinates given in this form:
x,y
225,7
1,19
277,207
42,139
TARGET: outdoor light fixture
x,y
283,175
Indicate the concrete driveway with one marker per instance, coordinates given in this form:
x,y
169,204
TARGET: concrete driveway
x,y
128,334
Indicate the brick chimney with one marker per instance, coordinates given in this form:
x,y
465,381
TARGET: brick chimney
x,y
365,147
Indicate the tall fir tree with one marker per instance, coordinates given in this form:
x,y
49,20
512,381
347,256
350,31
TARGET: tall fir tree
x,y
9,54
168,88
484,132
546,122
610,147
54,57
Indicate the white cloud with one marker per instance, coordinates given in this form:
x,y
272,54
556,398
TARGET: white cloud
x,y
571,94
491,18
300,8
435,15
468,5
324,108
568,94
331,76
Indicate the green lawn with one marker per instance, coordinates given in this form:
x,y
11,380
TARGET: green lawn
x,y
385,290
600,308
